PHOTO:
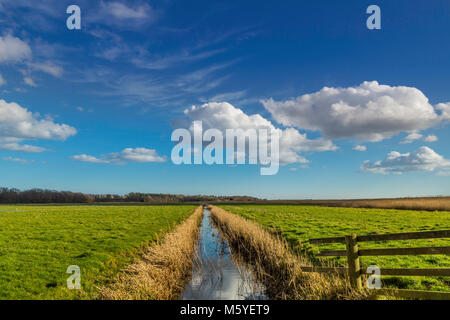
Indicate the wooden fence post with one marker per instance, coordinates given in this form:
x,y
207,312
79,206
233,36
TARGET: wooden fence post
x,y
354,269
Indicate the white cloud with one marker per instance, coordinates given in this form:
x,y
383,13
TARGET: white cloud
x,y
141,155
228,96
360,148
14,146
88,158
223,116
29,81
18,124
431,138
121,11
47,67
445,110
370,111
19,160
412,137
13,50
417,136
138,155
114,13
423,159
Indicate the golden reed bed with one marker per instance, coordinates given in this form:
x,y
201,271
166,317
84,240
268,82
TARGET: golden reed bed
x,y
276,265
162,272
426,203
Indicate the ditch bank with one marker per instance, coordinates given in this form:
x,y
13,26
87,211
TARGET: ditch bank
x,y
276,265
163,269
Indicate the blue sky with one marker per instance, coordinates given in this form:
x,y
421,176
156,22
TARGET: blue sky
x,y
364,113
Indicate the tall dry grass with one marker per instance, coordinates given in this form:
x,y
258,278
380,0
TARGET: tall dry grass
x,y
162,272
277,266
433,204
425,203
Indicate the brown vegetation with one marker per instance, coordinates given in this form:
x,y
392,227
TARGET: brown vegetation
x,y
426,203
162,272
277,266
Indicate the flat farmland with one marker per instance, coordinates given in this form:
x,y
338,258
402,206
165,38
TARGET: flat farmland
x,y
38,243
298,223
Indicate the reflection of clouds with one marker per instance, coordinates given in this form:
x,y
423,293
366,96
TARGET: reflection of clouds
x,y
216,276
196,280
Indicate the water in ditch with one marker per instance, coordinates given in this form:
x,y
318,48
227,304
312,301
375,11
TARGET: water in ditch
x,y
216,274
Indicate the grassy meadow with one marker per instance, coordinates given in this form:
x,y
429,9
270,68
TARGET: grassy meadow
x,y
38,243
299,223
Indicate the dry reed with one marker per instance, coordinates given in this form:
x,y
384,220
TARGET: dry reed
x,y
277,266
424,203
428,204
162,272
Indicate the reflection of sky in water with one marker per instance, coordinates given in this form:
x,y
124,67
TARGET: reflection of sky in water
x,y
216,276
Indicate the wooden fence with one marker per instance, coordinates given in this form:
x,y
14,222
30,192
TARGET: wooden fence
x,y
355,271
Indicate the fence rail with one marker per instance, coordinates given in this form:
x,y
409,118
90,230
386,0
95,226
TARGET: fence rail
x,y
389,252
431,272
355,271
388,236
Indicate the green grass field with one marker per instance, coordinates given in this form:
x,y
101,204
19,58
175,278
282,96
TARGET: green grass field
x,y
300,223
38,243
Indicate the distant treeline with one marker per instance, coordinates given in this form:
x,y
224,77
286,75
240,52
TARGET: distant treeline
x,y
9,195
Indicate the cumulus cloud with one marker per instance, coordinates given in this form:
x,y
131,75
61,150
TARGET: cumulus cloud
x,y
223,116
88,158
445,110
138,155
423,159
141,155
412,137
18,124
431,138
360,148
13,50
417,136
370,111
